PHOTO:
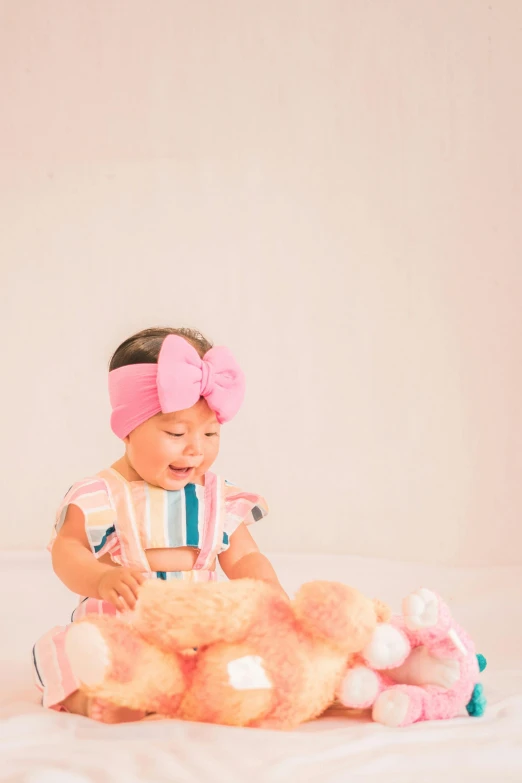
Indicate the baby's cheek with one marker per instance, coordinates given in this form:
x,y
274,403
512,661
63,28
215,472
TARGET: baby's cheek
x,y
167,451
211,451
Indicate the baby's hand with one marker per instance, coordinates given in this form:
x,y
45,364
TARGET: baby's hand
x,y
120,587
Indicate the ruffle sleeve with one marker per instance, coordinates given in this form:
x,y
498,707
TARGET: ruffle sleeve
x,y
92,498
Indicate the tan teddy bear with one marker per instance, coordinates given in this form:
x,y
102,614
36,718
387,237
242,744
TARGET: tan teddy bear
x,y
261,660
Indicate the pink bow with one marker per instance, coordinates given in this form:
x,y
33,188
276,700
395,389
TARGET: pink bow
x,y
140,391
183,377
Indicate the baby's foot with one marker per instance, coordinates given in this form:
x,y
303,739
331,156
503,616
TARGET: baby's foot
x,y
106,712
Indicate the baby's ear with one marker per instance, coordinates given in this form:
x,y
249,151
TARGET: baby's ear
x,y
382,611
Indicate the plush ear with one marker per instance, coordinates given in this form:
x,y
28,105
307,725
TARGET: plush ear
x,y
336,613
382,611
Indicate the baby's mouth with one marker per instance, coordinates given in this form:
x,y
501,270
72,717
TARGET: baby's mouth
x,y
180,473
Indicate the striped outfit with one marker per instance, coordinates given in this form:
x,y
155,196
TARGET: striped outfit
x,y
123,519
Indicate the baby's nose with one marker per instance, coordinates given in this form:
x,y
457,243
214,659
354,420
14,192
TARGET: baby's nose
x,y
194,447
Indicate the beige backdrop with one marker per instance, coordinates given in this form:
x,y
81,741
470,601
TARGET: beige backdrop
x,y
331,188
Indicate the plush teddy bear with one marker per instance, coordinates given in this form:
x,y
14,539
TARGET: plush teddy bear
x,y
236,653
437,673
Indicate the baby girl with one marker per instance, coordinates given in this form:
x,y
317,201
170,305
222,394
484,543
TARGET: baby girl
x,y
158,512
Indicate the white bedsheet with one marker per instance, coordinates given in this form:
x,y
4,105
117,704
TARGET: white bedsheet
x,y
39,746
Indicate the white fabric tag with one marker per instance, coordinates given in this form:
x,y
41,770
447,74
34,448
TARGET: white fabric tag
x,y
248,674
457,641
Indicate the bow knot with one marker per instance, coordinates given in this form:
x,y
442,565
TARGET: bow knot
x,y
207,378
183,377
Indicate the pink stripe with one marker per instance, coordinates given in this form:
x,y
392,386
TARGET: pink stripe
x,y
242,503
75,494
69,681
200,576
210,520
53,667
93,606
111,546
131,549
94,485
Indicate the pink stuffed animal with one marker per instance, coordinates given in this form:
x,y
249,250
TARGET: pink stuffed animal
x,y
428,671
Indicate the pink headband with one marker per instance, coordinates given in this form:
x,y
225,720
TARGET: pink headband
x,y
140,391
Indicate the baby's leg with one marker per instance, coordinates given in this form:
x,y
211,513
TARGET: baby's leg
x,y
54,677
116,666
98,709
59,686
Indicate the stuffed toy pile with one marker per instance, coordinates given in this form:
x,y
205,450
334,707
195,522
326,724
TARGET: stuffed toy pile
x,y
239,653
434,673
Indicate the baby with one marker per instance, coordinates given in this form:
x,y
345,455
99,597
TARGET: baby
x,y
158,512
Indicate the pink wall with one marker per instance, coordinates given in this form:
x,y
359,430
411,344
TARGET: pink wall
x,y
333,189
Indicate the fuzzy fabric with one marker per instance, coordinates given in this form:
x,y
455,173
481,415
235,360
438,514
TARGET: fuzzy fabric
x,y
260,660
436,677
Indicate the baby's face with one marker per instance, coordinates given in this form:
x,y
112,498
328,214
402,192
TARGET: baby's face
x,y
171,450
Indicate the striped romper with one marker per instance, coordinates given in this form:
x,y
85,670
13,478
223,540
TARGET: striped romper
x,y
123,519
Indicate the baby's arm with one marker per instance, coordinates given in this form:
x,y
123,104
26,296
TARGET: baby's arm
x,y
243,559
82,573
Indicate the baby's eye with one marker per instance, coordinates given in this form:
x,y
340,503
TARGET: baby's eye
x,y
175,434
211,434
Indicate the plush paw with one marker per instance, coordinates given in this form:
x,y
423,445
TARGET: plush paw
x,y
387,649
421,609
359,688
88,653
391,708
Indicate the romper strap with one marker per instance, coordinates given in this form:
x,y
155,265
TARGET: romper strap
x,y
132,552
213,523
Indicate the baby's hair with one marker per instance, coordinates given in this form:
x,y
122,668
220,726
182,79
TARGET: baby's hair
x,y
144,347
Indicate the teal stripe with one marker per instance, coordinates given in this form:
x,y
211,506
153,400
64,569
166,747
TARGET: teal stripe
x,y
200,494
166,575
225,539
174,518
108,532
192,509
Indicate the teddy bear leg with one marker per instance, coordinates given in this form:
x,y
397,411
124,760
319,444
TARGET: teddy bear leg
x,y
360,688
400,705
115,666
88,654
229,685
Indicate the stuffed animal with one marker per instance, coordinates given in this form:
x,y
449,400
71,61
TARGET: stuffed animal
x,y
436,678
236,653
